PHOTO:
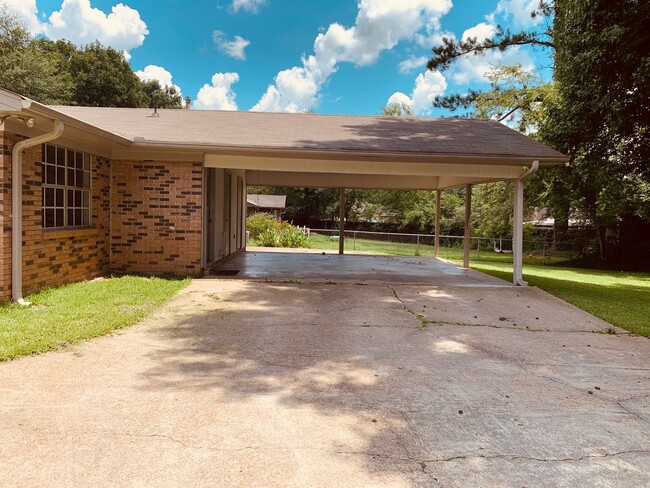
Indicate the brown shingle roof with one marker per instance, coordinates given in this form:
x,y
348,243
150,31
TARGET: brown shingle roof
x,y
261,130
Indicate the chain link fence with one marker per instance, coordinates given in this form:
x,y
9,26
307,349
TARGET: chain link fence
x,y
451,247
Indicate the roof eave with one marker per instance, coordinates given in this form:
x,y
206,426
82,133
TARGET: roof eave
x,y
37,109
506,159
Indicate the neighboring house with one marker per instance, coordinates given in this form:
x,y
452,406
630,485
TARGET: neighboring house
x,y
541,218
89,191
272,204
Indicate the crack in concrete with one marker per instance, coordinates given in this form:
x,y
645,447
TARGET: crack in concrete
x,y
491,326
631,412
424,322
422,463
420,318
517,457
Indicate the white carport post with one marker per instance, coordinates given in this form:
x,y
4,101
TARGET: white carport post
x,y
518,227
342,221
437,228
468,230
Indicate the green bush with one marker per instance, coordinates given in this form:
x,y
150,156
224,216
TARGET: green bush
x,y
258,223
268,233
290,236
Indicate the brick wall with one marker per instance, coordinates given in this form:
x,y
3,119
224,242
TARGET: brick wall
x,y
146,218
156,217
6,143
53,257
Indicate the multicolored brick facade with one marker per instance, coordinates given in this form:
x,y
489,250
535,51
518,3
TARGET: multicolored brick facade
x,y
146,218
156,217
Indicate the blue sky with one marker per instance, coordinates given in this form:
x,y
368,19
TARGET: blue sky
x,y
332,56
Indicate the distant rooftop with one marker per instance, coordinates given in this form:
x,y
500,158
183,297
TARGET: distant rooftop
x,y
267,201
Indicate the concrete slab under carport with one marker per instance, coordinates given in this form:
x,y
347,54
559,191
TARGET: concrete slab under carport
x,y
315,383
278,264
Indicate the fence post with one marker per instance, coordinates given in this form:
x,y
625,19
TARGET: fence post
x,y
354,240
342,221
544,252
417,249
478,247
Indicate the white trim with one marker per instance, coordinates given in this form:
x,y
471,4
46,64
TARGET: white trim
x,y
518,227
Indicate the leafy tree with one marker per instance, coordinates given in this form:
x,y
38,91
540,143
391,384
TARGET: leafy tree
x,y
597,111
26,68
603,70
57,72
520,98
451,49
397,109
313,206
105,79
161,97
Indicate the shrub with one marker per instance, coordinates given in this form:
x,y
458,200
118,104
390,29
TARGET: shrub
x,y
258,223
290,236
266,232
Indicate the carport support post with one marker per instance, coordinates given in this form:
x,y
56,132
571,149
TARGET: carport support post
x,y
518,227
518,234
468,217
342,221
436,242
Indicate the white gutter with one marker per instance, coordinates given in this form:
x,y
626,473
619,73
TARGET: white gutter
x,y
518,227
17,207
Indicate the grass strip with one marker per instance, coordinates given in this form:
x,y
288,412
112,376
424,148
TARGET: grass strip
x,y
80,311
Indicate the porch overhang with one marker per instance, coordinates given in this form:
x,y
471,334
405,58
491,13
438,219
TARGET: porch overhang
x,y
353,172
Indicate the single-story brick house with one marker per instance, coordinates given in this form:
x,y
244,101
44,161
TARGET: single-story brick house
x,y
92,191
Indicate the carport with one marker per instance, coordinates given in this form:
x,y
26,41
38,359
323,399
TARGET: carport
x,y
309,150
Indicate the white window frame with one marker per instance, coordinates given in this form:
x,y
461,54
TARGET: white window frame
x,y
66,188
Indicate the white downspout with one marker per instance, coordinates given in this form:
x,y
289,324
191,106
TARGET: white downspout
x,y
17,207
518,227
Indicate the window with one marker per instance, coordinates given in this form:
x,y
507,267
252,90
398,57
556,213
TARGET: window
x,y
66,187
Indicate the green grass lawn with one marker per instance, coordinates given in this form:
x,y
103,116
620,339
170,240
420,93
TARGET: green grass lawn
x,y
622,299
410,249
76,312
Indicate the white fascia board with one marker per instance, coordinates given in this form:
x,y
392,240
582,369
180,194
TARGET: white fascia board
x,y
395,168
10,102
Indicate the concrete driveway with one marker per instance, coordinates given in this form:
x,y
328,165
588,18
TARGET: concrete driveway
x,y
336,384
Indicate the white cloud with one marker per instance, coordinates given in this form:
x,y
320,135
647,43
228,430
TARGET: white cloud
x,y
79,22
474,67
480,31
428,86
520,11
380,25
127,56
25,10
252,6
412,64
160,74
219,95
400,98
235,49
